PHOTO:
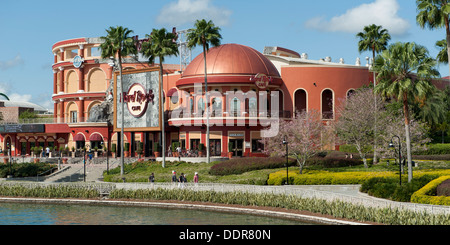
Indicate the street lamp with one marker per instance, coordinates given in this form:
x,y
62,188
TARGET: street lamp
x,y
287,161
391,145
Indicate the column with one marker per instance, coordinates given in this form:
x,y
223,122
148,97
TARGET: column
x,y
55,81
81,70
61,79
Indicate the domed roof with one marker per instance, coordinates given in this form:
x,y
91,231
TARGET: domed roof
x,y
24,104
229,60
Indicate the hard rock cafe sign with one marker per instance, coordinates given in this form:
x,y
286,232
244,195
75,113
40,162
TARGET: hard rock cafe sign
x,y
261,81
137,99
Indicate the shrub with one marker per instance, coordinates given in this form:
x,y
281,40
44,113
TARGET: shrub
x,y
427,194
333,162
390,188
242,165
435,149
315,177
25,169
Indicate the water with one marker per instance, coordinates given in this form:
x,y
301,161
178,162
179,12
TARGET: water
x,y
50,214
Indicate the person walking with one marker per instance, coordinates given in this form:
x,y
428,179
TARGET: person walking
x,y
179,153
196,178
151,178
174,177
181,181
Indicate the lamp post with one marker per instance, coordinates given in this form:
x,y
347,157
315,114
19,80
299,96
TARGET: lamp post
x,y
391,145
287,161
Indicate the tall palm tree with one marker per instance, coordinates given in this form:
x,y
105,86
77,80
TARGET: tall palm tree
x,y
373,38
161,43
442,56
4,95
205,34
434,14
404,72
118,43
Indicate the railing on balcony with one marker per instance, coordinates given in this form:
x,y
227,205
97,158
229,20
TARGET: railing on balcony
x,y
220,114
46,120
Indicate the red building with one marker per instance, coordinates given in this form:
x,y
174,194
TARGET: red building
x,y
246,89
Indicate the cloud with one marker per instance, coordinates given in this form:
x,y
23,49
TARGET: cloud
x,y
17,61
187,11
379,12
6,89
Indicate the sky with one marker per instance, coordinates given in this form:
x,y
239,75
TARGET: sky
x,y
322,28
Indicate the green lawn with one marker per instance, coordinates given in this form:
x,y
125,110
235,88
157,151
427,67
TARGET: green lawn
x,y
139,172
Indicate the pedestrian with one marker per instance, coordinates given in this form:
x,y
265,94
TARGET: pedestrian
x,y
151,178
196,178
179,153
181,180
47,150
174,177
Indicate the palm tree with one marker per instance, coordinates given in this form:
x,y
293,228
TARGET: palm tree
x,y
404,73
205,33
117,44
161,43
435,14
442,56
4,95
374,38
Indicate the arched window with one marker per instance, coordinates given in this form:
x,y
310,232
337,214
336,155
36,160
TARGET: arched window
x,y
327,104
216,107
200,107
253,107
300,101
235,107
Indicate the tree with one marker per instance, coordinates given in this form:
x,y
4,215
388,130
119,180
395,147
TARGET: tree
x,y
434,14
442,56
404,72
356,125
304,134
393,126
117,44
374,38
205,34
161,44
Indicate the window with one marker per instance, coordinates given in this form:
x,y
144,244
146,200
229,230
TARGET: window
x,y
73,116
327,104
257,145
235,106
300,101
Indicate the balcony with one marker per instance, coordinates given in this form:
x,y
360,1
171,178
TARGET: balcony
x,y
176,117
47,120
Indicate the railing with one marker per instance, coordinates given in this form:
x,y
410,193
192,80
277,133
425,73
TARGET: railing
x,y
46,120
226,114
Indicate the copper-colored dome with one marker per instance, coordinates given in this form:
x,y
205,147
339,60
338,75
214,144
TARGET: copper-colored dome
x,y
232,59
229,59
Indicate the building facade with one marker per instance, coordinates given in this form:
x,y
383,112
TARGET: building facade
x,y
247,89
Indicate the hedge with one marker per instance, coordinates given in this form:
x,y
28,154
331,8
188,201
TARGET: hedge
x,y
435,149
242,165
314,177
426,194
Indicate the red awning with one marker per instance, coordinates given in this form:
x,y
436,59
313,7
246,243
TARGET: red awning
x,y
79,137
95,137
